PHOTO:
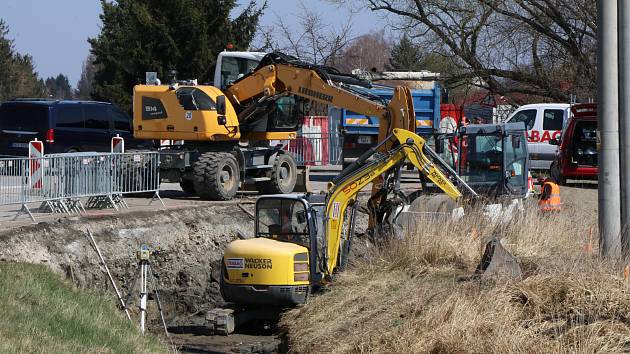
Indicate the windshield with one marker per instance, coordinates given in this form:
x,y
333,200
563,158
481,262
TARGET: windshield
x,y
233,68
481,158
515,160
193,99
282,219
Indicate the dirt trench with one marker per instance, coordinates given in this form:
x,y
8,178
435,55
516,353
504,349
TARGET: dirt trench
x,y
187,244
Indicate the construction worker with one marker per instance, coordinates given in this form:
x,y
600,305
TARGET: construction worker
x,y
549,196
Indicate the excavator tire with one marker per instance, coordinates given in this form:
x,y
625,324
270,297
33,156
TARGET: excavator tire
x,y
188,186
283,176
216,176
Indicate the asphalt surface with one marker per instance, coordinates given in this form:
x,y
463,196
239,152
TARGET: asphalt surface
x,y
173,198
170,193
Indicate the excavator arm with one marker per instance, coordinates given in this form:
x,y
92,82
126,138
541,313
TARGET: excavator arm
x,y
280,75
344,189
283,76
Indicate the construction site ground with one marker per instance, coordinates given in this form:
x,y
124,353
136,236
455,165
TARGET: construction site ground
x,y
188,235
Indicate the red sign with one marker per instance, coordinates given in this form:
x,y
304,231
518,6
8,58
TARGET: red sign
x,y
534,136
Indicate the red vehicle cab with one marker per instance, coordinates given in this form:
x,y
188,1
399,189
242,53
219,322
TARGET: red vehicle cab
x,y
577,156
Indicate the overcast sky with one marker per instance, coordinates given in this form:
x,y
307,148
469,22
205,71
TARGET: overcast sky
x,y
55,32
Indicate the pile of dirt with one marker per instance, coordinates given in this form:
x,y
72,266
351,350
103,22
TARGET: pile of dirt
x,y
187,244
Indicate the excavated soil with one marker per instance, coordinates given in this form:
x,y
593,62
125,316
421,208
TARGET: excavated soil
x,y
187,244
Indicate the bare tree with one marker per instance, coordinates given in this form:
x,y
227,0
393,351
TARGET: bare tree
x,y
367,52
314,40
534,47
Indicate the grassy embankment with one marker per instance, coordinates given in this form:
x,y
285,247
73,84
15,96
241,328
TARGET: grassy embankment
x,y
417,296
41,312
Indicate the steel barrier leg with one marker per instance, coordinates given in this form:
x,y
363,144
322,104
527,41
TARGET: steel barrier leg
x,y
81,208
111,200
156,195
22,209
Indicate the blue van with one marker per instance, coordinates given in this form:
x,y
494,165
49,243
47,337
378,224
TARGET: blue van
x,y
63,126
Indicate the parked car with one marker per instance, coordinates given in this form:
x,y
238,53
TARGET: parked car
x,y
544,121
577,155
63,126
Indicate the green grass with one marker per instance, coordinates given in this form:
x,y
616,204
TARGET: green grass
x,y
41,312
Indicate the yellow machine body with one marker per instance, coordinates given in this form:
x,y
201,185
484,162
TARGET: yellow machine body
x,y
168,119
263,261
264,271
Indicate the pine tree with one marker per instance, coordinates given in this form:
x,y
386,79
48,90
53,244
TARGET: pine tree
x,y
156,35
58,87
84,85
406,56
17,72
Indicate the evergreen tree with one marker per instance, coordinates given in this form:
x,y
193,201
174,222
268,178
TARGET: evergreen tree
x,y
406,56
157,35
58,87
84,85
17,72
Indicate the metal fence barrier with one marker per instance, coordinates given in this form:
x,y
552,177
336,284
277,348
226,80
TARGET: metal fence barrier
x,y
316,149
59,181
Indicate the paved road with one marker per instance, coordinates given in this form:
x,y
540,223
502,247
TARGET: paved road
x,y
171,194
174,197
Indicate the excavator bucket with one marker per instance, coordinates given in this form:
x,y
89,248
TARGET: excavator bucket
x,y
498,262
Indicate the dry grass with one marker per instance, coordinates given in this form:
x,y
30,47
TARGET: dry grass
x,y
416,295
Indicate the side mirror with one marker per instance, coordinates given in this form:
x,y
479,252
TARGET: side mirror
x,y
221,105
554,142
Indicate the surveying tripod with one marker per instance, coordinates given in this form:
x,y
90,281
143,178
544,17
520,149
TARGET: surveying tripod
x,y
146,276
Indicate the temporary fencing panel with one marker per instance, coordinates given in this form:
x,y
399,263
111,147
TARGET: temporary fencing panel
x,y
316,144
67,177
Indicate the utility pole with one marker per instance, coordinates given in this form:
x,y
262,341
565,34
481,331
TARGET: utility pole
x,y
608,116
623,7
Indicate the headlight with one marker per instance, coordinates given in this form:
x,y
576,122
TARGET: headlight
x,y
300,267
300,277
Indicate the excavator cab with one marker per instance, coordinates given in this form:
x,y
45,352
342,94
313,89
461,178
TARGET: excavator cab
x,y
491,158
279,265
283,219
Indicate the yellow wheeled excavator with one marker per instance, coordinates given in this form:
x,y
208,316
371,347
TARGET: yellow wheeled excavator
x,y
227,132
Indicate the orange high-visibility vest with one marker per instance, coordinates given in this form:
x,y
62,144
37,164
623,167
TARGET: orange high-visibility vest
x,y
551,201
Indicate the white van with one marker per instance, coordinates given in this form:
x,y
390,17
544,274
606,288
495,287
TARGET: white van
x,y
544,121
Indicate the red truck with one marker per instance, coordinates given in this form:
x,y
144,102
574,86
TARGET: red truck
x,y
577,154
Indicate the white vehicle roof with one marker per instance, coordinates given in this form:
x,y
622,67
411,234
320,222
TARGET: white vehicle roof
x,y
247,55
545,105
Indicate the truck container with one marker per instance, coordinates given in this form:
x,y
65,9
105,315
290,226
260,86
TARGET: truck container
x,y
360,132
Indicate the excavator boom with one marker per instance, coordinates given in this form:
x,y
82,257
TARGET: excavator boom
x,y
280,75
344,189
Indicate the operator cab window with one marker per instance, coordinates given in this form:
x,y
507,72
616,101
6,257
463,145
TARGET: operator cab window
x,y
285,116
193,99
528,116
283,220
482,158
515,159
